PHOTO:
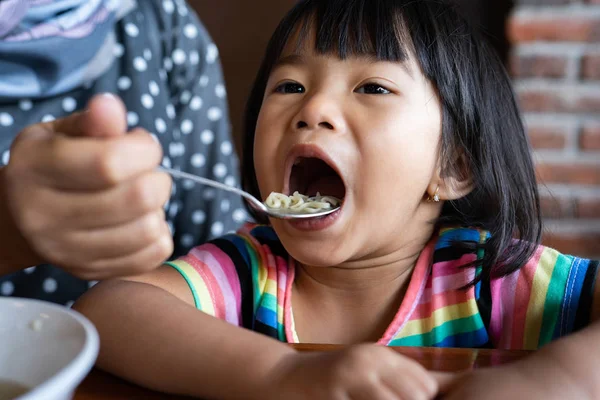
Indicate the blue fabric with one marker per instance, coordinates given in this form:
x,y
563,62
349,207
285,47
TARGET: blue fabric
x,y
51,47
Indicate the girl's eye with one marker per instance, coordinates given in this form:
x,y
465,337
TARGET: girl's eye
x,y
290,87
372,88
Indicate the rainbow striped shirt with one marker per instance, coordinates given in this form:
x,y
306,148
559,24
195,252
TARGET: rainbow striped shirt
x,y
246,279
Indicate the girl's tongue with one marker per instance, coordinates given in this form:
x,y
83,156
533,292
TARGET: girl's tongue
x,y
330,185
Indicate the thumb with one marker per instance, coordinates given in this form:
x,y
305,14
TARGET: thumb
x,y
105,116
446,380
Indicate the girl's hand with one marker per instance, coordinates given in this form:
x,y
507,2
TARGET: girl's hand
x,y
86,197
368,372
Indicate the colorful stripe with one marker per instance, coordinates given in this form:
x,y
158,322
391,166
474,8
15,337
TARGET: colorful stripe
x,y
526,309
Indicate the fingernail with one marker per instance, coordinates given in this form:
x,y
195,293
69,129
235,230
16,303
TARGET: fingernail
x,y
109,96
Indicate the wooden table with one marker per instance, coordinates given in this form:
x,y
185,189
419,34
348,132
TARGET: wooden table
x,y
101,386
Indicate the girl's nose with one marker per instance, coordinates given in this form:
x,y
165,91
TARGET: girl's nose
x,y
319,112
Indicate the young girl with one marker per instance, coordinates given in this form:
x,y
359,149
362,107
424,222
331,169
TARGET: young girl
x,y
400,110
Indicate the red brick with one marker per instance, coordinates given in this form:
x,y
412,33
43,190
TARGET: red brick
x,y
561,28
590,137
557,208
543,66
577,174
547,138
588,208
590,66
582,245
535,100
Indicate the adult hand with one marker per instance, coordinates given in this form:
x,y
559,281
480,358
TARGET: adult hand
x,y
87,197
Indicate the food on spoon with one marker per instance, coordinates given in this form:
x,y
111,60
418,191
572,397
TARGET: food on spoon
x,y
300,203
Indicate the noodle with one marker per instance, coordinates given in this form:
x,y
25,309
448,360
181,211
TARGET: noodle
x,y
301,203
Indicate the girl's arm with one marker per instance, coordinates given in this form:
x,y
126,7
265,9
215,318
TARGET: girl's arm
x,y
157,339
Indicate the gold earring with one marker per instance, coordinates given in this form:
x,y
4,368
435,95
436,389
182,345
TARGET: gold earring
x,y
436,196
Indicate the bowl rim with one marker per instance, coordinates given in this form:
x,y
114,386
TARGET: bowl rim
x,y
77,369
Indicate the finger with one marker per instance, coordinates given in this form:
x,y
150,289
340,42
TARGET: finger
x,y
91,164
115,206
410,380
376,391
150,257
121,239
446,380
105,116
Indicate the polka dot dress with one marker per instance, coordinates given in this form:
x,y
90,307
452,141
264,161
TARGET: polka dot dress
x,y
168,74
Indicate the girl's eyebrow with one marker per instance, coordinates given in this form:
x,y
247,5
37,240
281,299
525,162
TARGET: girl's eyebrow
x,y
290,59
295,59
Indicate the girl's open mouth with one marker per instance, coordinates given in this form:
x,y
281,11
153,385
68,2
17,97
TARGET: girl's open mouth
x,y
311,175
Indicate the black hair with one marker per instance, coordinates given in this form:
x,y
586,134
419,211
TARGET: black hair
x,y
482,131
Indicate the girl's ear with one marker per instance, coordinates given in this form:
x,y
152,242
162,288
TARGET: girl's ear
x,y
452,184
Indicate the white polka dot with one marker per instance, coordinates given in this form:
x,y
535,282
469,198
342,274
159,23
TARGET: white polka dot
x,y
168,64
140,64
214,113
162,74
190,31
92,283
188,184
176,149
124,83
207,136
161,125
118,50
7,288
220,90
166,162
6,157
220,170
168,6
194,57
198,160
225,205
198,217
132,118
50,285
196,103
185,97
171,111
230,181
187,240
179,56
154,89
209,194
187,127
6,119
204,80
69,303
29,270
212,53
239,215
173,210
147,54
147,101
69,104
48,118
132,30
217,228
25,105
226,148
183,11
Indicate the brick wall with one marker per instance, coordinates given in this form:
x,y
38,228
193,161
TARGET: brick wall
x,y
555,61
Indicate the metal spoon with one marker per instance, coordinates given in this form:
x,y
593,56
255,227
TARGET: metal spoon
x,y
253,201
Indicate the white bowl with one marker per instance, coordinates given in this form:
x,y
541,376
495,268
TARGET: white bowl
x,y
44,347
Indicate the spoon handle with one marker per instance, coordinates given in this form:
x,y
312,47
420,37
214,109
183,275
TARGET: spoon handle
x,y
218,185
